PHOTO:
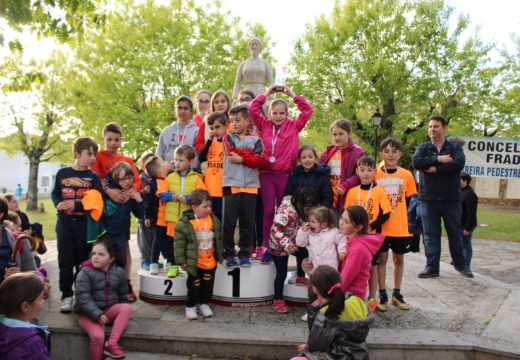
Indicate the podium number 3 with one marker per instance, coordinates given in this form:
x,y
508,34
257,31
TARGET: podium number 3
x,y
235,274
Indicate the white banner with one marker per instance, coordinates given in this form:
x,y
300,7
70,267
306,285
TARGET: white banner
x,y
491,157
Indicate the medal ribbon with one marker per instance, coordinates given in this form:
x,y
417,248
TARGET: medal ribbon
x,y
368,196
393,194
274,140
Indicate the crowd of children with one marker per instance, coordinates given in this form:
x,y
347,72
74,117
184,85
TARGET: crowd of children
x,y
338,213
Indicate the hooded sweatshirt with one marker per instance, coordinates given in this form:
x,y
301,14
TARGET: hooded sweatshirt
x,y
356,268
281,142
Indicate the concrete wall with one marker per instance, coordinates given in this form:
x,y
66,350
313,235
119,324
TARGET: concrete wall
x,y
490,188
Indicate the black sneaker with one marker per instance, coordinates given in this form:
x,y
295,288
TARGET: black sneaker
x,y
465,272
428,273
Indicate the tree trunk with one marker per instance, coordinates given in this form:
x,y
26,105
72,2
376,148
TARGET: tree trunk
x,y
32,192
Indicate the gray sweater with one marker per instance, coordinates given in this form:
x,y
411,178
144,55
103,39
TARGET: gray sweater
x,y
97,290
175,135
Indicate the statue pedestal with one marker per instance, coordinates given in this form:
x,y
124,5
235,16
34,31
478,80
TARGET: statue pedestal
x,y
240,287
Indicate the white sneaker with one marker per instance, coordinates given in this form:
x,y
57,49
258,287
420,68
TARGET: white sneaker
x,y
304,317
191,313
154,269
292,279
66,305
205,310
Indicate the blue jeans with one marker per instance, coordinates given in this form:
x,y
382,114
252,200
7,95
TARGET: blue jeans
x,y
467,249
431,214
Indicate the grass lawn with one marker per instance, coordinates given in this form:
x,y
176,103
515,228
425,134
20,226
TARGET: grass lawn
x,y
48,218
502,225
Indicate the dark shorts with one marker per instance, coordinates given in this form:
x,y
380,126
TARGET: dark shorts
x,y
375,258
399,245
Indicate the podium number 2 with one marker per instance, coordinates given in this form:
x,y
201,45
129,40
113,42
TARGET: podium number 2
x,y
169,285
235,274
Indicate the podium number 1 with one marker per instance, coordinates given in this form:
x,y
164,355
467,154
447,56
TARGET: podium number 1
x,y
235,274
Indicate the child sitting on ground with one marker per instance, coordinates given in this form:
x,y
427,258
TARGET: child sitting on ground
x,y
101,294
338,323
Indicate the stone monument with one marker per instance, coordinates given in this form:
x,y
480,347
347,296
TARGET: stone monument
x,y
255,73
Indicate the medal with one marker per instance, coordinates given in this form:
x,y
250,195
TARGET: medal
x,y
394,211
272,159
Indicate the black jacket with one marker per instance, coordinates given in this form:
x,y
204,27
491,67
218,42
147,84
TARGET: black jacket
x,y
336,339
444,184
317,178
469,202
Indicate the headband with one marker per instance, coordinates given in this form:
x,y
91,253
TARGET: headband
x,y
334,287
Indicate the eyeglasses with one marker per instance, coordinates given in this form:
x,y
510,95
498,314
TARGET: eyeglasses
x,y
203,101
245,99
183,108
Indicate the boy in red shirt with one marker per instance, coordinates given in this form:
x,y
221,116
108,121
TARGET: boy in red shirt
x,y
105,160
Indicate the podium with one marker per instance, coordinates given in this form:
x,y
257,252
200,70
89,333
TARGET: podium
x,y
239,287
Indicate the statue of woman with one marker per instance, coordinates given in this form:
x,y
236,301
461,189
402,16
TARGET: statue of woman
x,y
255,73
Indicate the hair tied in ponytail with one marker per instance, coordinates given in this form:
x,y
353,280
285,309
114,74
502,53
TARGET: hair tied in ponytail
x,y
334,287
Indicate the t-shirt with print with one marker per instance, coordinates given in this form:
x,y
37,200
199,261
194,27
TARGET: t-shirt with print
x,y
398,184
71,184
335,173
371,198
205,242
215,169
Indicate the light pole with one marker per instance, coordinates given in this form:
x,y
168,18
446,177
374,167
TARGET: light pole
x,y
376,123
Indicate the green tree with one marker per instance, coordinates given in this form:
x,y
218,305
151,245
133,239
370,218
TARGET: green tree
x,y
148,55
63,18
400,57
507,105
36,112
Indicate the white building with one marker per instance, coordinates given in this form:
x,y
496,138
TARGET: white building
x,y
15,170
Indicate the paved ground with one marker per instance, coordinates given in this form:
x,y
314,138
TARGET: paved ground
x,y
485,306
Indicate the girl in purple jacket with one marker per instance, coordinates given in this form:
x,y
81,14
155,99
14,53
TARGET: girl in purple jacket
x,y
341,158
280,137
21,300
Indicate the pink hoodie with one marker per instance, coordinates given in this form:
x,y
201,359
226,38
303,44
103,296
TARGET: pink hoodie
x,y
323,247
356,268
287,141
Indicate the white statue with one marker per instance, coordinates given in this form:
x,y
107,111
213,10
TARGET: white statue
x,y
255,73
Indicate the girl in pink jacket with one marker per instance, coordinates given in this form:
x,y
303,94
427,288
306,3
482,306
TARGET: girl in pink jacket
x,y
280,137
325,243
362,246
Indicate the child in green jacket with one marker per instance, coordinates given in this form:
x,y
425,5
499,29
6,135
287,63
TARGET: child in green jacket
x,y
198,247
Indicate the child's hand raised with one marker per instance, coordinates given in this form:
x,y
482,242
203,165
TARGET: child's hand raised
x,y
287,91
306,226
